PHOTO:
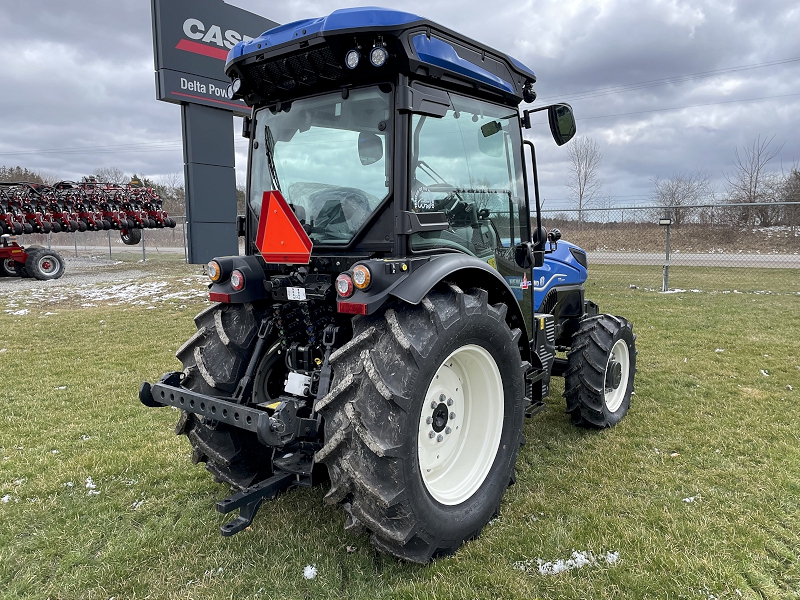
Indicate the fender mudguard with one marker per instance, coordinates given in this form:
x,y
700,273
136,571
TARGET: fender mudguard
x,y
466,272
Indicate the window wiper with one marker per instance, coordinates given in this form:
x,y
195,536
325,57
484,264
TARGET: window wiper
x,y
269,146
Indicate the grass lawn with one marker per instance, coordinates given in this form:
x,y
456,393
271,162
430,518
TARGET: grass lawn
x,y
696,494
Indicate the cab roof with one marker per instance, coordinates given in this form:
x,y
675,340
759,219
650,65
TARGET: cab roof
x,y
292,59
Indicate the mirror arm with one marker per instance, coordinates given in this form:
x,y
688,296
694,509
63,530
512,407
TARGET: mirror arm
x,y
526,115
535,188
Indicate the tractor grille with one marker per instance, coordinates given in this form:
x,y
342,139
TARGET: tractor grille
x,y
547,349
549,302
286,73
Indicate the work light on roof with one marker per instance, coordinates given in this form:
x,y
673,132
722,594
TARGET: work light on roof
x,y
351,58
378,56
234,88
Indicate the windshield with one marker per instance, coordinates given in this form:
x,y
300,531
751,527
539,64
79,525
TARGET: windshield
x,y
329,157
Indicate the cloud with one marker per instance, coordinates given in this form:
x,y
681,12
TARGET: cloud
x,y
80,75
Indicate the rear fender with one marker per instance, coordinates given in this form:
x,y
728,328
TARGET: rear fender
x,y
467,272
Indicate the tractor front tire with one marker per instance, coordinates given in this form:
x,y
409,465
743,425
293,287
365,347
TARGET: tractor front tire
x,y
601,365
214,360
423,422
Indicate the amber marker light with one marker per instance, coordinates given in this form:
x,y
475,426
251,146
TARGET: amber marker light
x,y
214,271
361,277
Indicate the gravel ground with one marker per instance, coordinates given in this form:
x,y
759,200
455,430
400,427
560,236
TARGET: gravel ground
x,y
78,271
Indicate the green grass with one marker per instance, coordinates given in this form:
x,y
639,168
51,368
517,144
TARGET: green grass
x,y
707,279
702,424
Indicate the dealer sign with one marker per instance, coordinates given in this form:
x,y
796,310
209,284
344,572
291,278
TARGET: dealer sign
x,y
191,40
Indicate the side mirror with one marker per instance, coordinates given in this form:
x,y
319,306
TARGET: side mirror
x,y
523,255
370,148
562,123
539,236
526,257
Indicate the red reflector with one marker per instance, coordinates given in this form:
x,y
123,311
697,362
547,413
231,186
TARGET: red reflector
x,y
352,308
218,297
281,238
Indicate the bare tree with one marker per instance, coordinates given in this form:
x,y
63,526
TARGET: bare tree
x,y
751,183
791,193
111,175
680,192
584,181
173,192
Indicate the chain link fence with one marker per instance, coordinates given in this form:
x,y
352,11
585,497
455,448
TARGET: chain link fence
x,y
720,247
157,244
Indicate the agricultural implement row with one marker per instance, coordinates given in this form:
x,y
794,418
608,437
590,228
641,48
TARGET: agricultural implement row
x,y
88,206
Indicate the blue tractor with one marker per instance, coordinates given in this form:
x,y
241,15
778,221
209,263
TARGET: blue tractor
x,y
399,309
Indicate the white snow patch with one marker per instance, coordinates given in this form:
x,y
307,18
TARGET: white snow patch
x,y
691,499
3,350
764,373
718,350
53,451
577,560
310,571
85,437
18,313
789,387
674,291
7,498
93,493
137,504
68,484
60,387
90,485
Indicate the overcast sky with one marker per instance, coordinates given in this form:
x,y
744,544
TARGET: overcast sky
x,y
77,84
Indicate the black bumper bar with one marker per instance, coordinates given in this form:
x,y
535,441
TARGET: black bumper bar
x,y
168,392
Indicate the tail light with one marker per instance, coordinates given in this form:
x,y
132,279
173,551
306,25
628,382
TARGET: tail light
x,y
344,285
237,280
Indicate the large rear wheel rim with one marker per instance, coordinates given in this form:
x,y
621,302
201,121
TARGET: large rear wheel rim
x,y
618,370
460,425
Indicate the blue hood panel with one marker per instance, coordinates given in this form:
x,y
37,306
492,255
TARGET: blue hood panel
x,y
560,269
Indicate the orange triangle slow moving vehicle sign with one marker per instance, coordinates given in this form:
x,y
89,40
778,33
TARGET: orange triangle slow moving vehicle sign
x,y
281,238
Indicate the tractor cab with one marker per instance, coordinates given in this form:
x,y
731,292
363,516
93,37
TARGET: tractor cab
x,y
392,137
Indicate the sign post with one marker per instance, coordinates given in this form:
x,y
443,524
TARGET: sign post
x,y
191,40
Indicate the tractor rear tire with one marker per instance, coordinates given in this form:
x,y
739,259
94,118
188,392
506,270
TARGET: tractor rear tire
x,y
418,463
44,264
601,366
214,360
131,236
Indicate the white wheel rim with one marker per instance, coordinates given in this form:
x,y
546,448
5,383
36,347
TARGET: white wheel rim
x,y
456,459
615,395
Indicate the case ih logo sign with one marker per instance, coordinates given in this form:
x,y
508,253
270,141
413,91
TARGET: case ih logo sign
x,y
194,29
191,40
